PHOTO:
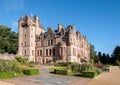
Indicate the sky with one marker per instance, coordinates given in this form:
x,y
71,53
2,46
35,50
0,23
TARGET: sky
x,y
98,20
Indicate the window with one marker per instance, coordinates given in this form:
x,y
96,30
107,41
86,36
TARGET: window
x,y
44,36
40,52
25,52
61,50
50,52
25,43
33,52
74,52
53,52
25,36
51,42
46,52
48,42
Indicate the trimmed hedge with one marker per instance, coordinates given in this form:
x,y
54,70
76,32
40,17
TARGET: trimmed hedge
x,y
4,75
60,64
31,71
89,74
60,71
63,71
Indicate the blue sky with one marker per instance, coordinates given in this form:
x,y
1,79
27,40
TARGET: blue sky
x,y
99,20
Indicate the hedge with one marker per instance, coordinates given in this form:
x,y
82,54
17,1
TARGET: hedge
x,y
31,71
89,74
4,75
63,71
60,71
60,64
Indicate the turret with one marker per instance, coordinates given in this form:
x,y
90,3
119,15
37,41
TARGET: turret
x,y
60,27
36,19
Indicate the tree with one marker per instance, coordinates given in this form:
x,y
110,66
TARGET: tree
x,y
8,40
116,55
96,59
100,56
92,55
108,58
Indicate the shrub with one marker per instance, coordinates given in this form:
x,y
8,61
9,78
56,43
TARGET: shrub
x,y
60,71
51,70
69,72
60,64
21,59
107,65
31,63
31,71
75,67
9,66
84,67
4,75
89,74
98,70
99,65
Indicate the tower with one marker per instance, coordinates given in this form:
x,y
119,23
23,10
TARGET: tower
x,y
28,29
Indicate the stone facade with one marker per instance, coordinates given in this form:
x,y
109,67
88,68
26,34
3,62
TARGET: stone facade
x,y
61,45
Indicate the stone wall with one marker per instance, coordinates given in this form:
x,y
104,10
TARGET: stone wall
x,y
7,56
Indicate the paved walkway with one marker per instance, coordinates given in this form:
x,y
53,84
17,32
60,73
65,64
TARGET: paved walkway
x,y
107,78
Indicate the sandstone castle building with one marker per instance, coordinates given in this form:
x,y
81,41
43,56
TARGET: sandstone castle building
x,y
61,45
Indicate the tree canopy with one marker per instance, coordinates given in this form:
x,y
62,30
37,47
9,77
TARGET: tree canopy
x,y
116,55
8,40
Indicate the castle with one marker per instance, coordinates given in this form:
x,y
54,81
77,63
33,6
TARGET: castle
x,y
61,45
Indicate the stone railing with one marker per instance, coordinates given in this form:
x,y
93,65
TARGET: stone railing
x,y
7,56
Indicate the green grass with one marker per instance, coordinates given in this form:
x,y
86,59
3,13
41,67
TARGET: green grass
x,y
5,75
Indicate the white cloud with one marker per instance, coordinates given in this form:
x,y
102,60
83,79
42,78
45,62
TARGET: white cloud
x,y
14,5
14,26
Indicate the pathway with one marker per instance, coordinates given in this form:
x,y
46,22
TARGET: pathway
x,y
45,78
107,78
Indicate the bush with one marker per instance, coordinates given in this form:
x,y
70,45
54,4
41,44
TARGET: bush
x,y
4,75
51,70
85,67
31,71
107,65
89,74
98,70
69,72
60,71
31,63
60,64
99,65
21,59
75,67
9,66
